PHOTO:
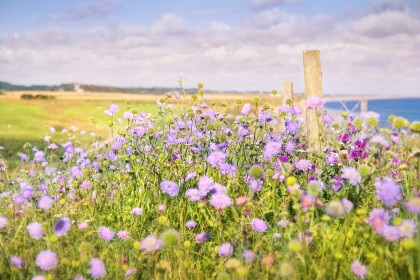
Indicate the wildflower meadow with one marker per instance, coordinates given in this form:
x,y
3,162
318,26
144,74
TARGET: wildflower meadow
x,y
211,190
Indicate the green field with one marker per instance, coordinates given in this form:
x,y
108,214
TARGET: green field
x,y
23,121
28,121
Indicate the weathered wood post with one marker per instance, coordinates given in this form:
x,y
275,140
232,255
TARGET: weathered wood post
x,y
313,88
363,105
287,92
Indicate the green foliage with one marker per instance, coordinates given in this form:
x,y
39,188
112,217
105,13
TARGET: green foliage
x,y
311,232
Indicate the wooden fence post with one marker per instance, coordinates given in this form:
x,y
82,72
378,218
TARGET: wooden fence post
x,y
287,92
363,105
313,88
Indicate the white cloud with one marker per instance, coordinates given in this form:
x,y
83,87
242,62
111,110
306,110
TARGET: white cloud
x,y
389,23
171,24
358,56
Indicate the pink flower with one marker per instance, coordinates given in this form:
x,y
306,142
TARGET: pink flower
x,y
123,234
378,219
241,201
83,225
220,200
150,244
136,211
360,270
314,102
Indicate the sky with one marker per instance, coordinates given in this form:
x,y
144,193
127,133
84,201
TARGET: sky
x,y
367,47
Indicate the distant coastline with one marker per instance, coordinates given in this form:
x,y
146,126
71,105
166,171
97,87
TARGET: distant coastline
x,y
406,107
367,97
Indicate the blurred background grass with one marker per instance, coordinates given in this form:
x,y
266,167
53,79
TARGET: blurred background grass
x,y
29,121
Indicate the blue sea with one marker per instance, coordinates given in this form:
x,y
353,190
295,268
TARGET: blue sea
x,y
408,108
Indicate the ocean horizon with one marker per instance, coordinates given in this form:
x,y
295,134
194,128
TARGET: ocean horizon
x,y
408,108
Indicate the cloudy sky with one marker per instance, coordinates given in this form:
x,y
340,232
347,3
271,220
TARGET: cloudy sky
x,y
367,47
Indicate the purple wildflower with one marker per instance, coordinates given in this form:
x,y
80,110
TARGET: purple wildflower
x,y
27,192
296,110
23,157
292,127
259,225
45,202
205,184
290,147
43,187
46,260
17,261
218,188
380,140
130,272
35,230
248,255
256,185
221,201
117,145
344,138
97,268
327,119
347,205
284,109
413,205
137,211
331,158
227,169
113,108
303,165
225,250
391,233
194,194
336,183
216,158
378,219
39,156
169,187
190,175
388,191
272,149
352,175
106,233
190,224
62,226
305,235
202,237
264,116
3,222
246,109
19,199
